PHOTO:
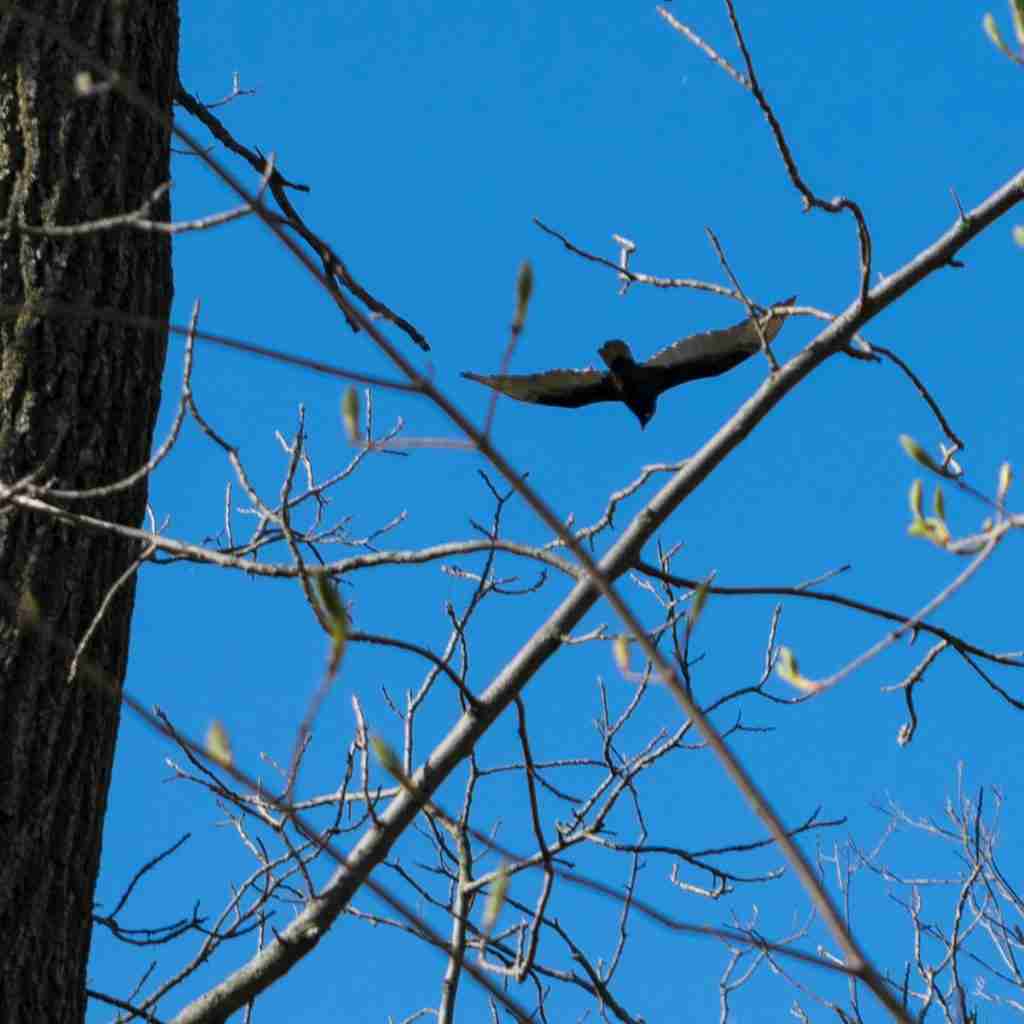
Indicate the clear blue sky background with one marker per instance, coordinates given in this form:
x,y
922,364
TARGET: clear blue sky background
x,y
430,136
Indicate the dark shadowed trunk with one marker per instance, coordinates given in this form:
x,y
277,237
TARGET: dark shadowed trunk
x,y
78,401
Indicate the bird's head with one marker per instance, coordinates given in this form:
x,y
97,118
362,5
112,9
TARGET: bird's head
x,y
616,354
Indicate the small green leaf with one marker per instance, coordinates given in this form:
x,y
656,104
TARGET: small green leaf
x,y
620,652
919,455
931,529
940,505
939,532
1017,13
786,665
988,23
789,671
700,597
337,619
915,499
350,414
495,899
329,598
524,289
218,743
388,758
1005,479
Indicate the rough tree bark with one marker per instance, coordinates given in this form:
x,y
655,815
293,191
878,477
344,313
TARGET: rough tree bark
x,y
78,400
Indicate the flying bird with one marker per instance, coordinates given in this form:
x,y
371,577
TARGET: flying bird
x,y
638,384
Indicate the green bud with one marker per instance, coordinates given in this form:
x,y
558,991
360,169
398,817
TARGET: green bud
x,y
524,289
350,414
1005,479
786,664
387,757
940,505
495,899
988,23
915,499
931,529
620,652
218,744
789,671
700,597
329,596
337,619
1017,13
919,455
331,602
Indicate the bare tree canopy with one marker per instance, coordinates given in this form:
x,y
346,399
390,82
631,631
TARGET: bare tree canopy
x,y
442,708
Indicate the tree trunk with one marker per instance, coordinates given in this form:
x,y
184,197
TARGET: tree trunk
x,y
78,400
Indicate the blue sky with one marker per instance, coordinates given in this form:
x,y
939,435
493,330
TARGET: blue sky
x,y
430,136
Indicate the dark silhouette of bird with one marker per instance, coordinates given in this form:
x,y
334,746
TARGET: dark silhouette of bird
x,y
638,384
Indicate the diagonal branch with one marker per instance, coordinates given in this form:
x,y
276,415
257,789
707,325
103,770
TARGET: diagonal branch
x,y
333,263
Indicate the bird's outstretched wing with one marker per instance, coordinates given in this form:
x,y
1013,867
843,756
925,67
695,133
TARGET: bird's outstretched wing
x,y
709,353
567,388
